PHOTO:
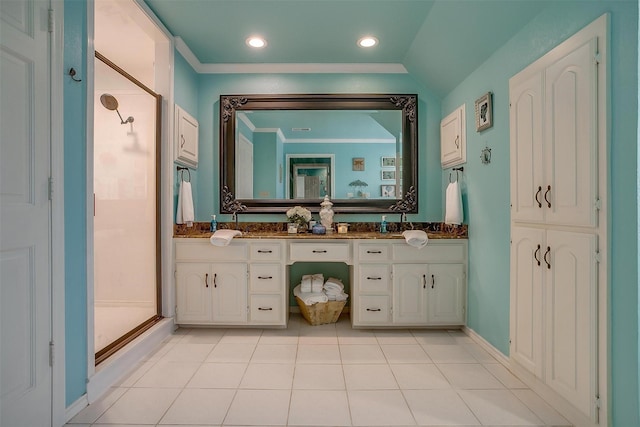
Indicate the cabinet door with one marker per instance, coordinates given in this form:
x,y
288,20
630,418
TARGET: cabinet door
x,y
445,294
527,253
229,293
452,139
186,140
525,120
193,292
571,138
571,316
410,294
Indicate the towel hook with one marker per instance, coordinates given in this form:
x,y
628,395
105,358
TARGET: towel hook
x,y
460,169
181,170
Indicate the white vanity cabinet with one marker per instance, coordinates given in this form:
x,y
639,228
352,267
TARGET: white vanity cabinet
x,y
399,285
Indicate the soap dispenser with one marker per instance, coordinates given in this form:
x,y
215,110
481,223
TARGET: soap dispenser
x,y
214,224
383,224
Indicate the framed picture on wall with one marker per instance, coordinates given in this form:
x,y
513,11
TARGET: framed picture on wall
x,y
484,112
357,164
388,162
388,191
390,174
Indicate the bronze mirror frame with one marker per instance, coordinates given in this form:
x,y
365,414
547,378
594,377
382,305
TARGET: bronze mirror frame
x,y
407,103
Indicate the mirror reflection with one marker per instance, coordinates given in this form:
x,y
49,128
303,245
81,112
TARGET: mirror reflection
x,y
307,154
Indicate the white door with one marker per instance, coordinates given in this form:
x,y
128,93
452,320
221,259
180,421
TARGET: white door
x,y
571,316
527,252
244,174
452,139
193,292
409,293
571,138
229,293
445,294
525,122
25,212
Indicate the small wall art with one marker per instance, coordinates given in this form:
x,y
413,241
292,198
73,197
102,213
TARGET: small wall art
x,y
388,190
484,112
390,174
388,162
357,163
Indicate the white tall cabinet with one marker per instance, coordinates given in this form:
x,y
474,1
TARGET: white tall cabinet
x,y
555,224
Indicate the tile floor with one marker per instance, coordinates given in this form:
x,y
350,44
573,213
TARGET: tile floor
x,y
327,375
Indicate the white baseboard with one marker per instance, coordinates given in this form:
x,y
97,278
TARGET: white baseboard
x,y
126,360
77,406
559,403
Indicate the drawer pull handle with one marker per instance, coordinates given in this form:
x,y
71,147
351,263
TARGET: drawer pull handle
x,y
536,253
215,283
536,196
317,251
262,251
424,281
206,280
374,278
374,252
265,308
433,281
265,277
545,196
374,309
545,257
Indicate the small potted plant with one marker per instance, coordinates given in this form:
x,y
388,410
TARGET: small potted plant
x,y
300,216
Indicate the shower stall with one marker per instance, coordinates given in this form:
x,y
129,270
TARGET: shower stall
x,y
126,214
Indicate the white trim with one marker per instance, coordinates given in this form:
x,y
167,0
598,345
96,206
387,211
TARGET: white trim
x,y
545,392
75,408
340,141
127,359
58,403
242,116
285,68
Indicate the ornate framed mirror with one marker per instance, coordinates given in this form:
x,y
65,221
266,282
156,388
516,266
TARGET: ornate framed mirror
x,y
370,139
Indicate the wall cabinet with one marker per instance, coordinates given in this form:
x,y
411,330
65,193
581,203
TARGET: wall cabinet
x,y
453,144
186,138
554,221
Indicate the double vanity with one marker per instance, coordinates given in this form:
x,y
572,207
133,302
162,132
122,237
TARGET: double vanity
x,y
391,283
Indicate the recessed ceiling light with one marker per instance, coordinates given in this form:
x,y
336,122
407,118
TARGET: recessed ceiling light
x,y
367,41
256,42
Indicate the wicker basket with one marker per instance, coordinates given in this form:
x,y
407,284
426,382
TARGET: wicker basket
x,y
321,313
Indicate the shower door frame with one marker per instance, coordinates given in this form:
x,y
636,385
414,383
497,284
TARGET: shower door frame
x,y
113,347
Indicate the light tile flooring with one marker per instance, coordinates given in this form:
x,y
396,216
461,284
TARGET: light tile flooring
x,y
327,375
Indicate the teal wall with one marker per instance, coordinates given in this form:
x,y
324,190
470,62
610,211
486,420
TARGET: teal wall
x,y
211,86
265,176
75,207
486,187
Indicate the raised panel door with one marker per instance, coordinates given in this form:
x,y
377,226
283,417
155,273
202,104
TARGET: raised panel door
x,y
410,294
445,294
229,293
186,138
193,292
452,139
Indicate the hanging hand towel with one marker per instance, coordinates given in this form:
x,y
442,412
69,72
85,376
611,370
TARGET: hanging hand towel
x,y
223,237
453,204
184,214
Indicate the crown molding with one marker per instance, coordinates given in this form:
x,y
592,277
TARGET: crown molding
x,y
286,68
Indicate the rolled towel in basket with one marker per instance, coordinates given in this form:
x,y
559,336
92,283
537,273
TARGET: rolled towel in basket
x,y
310,298
416,238
317,282
305,283
333,285
223,237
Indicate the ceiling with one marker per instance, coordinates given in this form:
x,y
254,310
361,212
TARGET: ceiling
x,y
439,42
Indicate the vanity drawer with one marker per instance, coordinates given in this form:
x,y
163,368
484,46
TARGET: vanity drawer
x,y
373,252
374,310
320,252
374,278
202,250
433,252
267,251
266,309
266,278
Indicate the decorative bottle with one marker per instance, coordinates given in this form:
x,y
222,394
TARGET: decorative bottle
x,y
326,213
214,224
383,224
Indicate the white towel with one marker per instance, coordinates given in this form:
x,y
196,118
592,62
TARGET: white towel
x,y
333,286
453,204
184,214
223,237
317,282
305,283
310,298
416,238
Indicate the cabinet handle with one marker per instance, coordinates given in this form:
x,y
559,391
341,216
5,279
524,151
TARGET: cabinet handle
x,y
535,255
374,309
215,284
374,278
265,308
265,277
262,251
457,141
374,252
545,196
424,281
206,280
545,257
182,141
433,281
537,194
319,251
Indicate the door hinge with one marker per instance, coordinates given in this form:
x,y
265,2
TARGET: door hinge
x,y
597,58
50,20
50,189
597,204
597,256
597,402
52,356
